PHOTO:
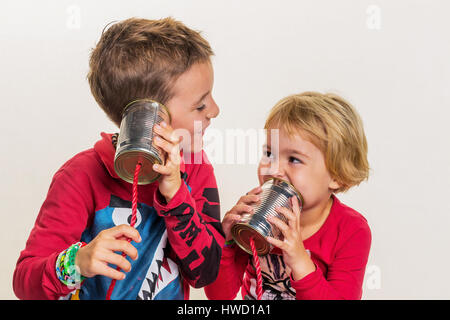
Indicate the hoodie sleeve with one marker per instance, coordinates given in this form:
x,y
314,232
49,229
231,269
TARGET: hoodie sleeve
x,y
61,220
229,281
194,230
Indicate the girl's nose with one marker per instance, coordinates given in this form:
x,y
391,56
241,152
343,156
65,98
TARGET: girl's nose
x,y
277,170
280,173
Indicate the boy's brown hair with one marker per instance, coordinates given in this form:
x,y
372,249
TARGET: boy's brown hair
x,y
333,126
140,58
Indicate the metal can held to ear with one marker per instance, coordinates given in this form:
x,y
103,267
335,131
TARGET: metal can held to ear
x,y
135,142
275,193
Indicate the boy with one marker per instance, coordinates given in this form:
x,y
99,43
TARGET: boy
x,y
85,216
322,150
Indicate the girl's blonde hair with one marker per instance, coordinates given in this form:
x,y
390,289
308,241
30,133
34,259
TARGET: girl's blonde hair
x,y
333,126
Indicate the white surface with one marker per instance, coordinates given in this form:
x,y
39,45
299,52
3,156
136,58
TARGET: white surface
x,y
389,58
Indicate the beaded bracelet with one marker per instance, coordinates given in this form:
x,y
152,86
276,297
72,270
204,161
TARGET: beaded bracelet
x,y
66,271
229,243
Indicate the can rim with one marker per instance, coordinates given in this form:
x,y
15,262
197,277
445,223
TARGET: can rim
x,y
130,178
241,245
299,195
148,100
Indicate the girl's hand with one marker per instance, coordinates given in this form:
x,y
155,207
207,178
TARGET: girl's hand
x,y
242,206
170,180
294,253
93,258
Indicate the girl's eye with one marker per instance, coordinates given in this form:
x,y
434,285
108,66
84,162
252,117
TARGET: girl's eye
x,y
295,160
203,106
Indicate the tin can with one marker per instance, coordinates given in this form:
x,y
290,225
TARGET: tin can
x,y
275,193
135,142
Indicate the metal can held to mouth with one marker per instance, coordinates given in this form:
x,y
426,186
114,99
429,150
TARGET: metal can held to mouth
x,y
135,142
275,193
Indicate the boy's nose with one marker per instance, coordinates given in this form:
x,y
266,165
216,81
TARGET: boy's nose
x,y
214,112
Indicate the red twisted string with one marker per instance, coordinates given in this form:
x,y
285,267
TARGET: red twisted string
x,y
132,222
259,289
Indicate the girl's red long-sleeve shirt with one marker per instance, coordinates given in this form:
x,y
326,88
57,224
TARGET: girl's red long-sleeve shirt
x,y
181,240
339,250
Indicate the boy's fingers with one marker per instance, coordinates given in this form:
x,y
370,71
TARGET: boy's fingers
x,y
117,260
123,230
109,272
164,170
123,246
164,144
167,133
174,156
171,150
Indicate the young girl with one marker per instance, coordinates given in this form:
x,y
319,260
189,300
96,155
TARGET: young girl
x,y
322,150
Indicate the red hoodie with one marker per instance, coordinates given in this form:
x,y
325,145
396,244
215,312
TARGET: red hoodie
x,y
181,240
339,249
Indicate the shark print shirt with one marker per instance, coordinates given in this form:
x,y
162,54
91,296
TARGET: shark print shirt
x,y
181,240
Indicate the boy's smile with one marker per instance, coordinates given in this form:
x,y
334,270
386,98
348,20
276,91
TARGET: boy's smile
x,y
192,106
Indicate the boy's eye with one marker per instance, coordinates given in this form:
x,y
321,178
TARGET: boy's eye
x,y
295,160
202,107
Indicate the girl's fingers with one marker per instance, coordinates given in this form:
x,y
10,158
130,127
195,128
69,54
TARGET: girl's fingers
x,y
290,216
295,206
280,224
277,243
241,209
256,190
231,217
249,199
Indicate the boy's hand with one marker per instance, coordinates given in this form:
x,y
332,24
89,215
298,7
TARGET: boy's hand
x,y
170,180
294,253
241,207
93,258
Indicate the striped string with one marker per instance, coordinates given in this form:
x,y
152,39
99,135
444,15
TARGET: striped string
x,y
259,289
132,222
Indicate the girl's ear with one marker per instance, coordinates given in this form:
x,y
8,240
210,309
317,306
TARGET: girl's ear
x,y
334,185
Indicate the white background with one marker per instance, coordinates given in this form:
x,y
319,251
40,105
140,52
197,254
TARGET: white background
x,y
390,59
